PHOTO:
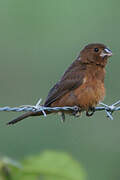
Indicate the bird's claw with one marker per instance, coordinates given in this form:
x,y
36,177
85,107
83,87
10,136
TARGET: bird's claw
x,y
77,111
90,112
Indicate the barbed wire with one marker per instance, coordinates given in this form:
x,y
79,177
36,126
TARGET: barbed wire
x,y
109,109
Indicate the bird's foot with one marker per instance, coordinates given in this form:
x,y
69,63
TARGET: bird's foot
x,y
90,112
62,114
77,111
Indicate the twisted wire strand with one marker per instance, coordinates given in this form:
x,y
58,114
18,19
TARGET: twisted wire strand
x,y
109,109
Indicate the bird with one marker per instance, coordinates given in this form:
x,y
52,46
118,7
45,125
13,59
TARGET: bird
x,y
81,85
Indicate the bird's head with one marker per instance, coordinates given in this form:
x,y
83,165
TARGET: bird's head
x,y
95,53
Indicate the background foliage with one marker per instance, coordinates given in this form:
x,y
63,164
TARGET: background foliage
x,y
38,40
49,165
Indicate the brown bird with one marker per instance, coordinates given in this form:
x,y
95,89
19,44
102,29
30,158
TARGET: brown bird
x,y
81,85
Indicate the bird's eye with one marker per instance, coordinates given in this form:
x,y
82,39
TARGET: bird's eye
x,y
96,49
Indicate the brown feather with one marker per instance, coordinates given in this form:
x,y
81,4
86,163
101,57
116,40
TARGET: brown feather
x,y
71,79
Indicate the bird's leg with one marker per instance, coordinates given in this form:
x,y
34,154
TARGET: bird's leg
x,y
77,111
62,114
90,112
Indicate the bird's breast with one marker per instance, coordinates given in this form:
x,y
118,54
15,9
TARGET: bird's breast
x,y
90,93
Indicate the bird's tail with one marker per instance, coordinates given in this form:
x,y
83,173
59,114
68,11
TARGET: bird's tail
x,y
23,116
28,114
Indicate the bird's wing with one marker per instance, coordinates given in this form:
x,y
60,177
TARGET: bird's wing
x,y
71,79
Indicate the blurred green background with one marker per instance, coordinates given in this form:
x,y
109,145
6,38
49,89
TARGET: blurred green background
x,y
38,40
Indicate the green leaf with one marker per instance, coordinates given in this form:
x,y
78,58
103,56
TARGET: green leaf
x,y
9,169
54,166
49,165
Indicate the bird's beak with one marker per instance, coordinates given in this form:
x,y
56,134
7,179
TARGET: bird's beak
x,y
106,52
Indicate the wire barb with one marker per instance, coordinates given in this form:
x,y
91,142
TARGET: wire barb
x,y
109,109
